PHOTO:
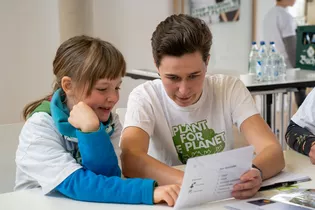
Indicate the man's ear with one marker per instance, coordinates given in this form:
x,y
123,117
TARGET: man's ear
x,y
67,86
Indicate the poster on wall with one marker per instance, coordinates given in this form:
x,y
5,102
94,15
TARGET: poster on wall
x,y
216,11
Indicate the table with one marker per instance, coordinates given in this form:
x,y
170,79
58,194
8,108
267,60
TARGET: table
x,y
33,199
295,78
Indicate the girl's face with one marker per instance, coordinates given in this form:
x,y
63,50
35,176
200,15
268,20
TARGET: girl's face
x,y
104,95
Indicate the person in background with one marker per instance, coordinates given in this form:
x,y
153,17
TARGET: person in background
x,y
187,113
68,140
300,135
280,27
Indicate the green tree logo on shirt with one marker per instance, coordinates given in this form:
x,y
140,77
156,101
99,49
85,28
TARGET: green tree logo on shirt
x,y
196,139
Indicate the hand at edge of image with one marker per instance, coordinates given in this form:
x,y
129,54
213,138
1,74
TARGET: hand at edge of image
x,y
167,194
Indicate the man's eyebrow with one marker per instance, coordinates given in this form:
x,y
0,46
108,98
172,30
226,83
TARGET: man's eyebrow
x,y
171,75
196,72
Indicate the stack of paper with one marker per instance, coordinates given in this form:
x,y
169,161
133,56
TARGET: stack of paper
x,y
303,197
284,179
262,204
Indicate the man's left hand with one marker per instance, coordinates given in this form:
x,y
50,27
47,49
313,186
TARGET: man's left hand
x,y
250,184
312,154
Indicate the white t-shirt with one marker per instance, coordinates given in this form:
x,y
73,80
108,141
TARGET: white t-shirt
x,y
205,127
279,24
305,115
43,157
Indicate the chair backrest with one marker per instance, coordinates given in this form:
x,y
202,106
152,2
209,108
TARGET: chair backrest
x,y
9,138
121,113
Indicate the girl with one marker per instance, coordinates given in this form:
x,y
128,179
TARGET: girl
x,y
67,141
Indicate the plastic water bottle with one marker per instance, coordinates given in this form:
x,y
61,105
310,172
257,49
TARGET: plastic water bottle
x,y
282,68
253,58
259,73
275,57
262,61
268,69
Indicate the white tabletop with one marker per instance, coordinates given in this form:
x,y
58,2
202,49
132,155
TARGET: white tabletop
x,y
33,199
294,78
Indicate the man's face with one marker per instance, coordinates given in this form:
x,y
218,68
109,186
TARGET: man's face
x,y
183,77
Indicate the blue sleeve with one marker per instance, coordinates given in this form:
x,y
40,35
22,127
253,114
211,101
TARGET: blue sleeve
x,y
85,185
97,152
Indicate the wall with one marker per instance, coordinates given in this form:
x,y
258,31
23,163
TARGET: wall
x,y
262,9
311,13
29,38
75,18
130,24
127,24
231,42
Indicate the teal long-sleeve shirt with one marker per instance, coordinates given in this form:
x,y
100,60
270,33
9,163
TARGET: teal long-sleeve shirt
x,y
99,179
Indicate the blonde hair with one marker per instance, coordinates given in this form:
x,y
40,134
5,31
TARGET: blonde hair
x,y
85,60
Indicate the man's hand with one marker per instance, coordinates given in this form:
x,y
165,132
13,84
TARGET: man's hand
x,y
84,118
166,193
250,184
312,154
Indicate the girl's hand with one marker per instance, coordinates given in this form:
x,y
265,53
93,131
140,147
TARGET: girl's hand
x,y
84,118
166,193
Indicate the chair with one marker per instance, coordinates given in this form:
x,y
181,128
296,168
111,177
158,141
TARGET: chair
x,y
9,136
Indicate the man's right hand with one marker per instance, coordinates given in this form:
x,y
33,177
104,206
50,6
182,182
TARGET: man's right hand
x,y
312,154
137,163
166,193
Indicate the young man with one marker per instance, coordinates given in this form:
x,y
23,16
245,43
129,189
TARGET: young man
x,y
188,114
279,26
300,134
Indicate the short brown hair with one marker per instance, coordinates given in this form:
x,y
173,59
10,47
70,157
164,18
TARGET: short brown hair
x,y
85,60
181,34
